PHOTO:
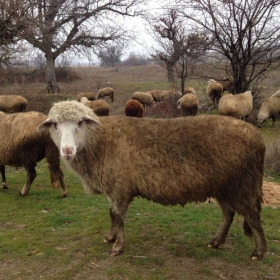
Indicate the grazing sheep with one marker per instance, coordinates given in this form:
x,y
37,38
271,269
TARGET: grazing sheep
x,y
99,107
188,105
22,146
169,161
107,91
133,108
270,108
238,106
158,95
214,91
189,90
145,98
89,95
12,103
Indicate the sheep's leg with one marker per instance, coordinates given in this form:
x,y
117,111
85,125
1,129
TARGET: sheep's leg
x,y
62,183
4,182
31,175
221,235
116,234
254,221
273,121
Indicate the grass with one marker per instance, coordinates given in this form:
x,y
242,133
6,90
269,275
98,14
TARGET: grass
x,y
44,236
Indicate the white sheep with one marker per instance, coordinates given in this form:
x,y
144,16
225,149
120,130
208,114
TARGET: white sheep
x,y
270,108
145,98
189,90
188,105
22,146
158,95
107,91
99,107
12,103
238,106
169,161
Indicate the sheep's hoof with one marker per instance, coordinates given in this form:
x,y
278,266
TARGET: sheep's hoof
x,y
23,194
256,256
4,187
114,253
64,194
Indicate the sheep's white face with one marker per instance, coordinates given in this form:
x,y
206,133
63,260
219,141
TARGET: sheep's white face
x,y
68,136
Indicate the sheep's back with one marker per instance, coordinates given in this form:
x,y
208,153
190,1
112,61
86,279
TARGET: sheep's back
x,y
152,152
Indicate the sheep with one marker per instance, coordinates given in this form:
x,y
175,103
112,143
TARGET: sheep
x,y
188,105
238,106
158,95
214,91
22,146
270,108
89,95
107,91
189,90
99,107
12,103
168,161
145,98
133,108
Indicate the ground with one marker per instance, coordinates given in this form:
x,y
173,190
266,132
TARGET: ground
x,y
271,193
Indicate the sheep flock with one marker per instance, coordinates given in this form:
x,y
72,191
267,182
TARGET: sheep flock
x,y
148,150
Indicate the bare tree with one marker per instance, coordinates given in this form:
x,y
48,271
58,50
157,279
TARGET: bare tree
x,y
193,52
55,27
246,34
169,33
111,55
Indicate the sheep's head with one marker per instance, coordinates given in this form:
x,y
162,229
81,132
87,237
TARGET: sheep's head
x,y
67,123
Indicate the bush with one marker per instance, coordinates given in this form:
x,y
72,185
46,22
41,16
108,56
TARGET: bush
x,y
272,156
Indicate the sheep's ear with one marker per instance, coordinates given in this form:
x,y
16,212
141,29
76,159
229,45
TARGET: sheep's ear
x,y
44,125
91,121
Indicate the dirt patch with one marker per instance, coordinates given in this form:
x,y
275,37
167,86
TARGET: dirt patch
x,y
271,192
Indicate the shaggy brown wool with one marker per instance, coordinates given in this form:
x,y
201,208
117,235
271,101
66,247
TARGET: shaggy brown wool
x,y
22,146
169,161
12,103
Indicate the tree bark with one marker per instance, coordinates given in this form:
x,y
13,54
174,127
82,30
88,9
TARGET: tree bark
x,y
51,84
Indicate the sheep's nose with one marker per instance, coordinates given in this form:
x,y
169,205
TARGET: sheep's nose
x,y
67,152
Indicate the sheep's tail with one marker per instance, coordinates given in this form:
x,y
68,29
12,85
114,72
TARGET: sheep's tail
x,y
247,229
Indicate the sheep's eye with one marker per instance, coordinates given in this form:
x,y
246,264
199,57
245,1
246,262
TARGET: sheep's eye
x,y
80,123
55,125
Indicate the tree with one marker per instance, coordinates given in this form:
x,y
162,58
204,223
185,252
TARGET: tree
x,y
246,34
55,27
111,55
193,51
168,32
10,27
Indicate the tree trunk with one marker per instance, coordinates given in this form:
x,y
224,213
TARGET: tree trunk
x,y
170,73
51,84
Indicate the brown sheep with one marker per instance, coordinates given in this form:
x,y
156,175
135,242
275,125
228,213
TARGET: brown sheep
x,y
89,95
107,91
145,98
99,107
214,91
22,146
238,106
270,108
188,105
133,108
169,161
12,103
